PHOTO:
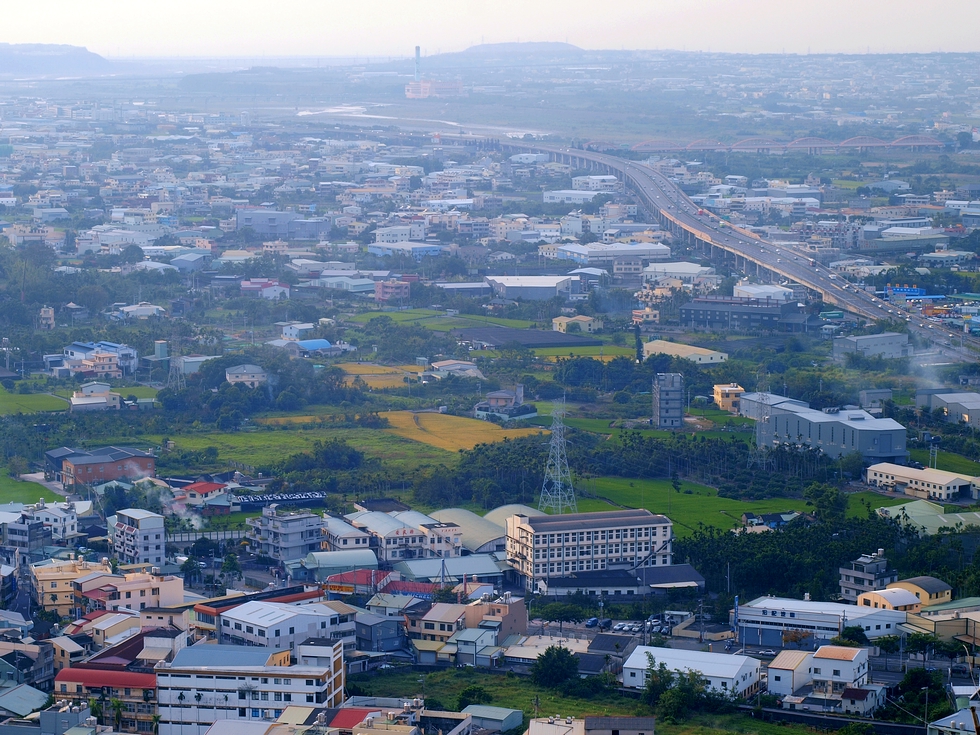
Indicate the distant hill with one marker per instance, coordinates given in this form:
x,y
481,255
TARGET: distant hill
x,y
531,52
44,60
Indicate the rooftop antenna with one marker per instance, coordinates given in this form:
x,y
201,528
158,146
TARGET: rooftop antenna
x,y
557,493
418,64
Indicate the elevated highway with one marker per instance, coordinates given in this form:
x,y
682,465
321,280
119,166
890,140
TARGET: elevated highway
x,y
747,251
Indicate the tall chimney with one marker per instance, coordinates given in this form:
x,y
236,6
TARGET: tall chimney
x,y
418,64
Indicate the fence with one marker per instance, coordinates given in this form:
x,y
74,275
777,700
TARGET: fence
x,y
828,722
183,538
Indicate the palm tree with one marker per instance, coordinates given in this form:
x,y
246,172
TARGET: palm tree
x,y
117,711
95,707
156,724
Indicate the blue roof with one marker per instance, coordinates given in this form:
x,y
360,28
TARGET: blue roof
x,y
314,344
206,654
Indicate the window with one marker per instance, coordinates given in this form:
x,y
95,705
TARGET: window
x,y
278,696
776,678
836,672
816,670
256,713
310,682
309,697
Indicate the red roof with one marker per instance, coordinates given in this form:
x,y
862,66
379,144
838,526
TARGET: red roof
x,y
359,576
102,678
422,588
203,488
350,717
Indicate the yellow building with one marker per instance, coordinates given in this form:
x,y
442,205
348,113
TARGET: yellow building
x,y
565,324
890,599
727,396
51,583
929,590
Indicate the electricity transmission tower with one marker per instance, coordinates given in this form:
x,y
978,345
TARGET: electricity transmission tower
x,y
759,455
175,378
557,493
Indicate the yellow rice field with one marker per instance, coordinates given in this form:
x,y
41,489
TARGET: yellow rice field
x,y
449,432
366,368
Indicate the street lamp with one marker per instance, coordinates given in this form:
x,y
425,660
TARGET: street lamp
x,y
926,718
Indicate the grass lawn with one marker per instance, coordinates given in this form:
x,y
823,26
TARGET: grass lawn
x,y
703,504
29,403
856,509
140,391
230,522
16,491
609,351
451,433
947,461
514,692
518,692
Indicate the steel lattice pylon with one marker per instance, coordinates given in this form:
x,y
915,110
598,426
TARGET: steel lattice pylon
x,y
557,493
175,377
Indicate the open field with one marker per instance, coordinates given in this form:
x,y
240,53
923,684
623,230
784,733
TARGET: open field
x,y
262,448
451,433
29,403
375,376
439,321
608,352
517,692
16,491
703,504
947,461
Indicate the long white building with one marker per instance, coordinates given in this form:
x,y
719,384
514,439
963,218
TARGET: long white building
x,y
544,547
929,484
207,683
277,625
733,675
763,621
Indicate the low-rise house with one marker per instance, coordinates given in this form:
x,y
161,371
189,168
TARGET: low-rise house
x,y
439,623
928,590
732,675
247,374
284,626
891,599
506,405
95,397
568,324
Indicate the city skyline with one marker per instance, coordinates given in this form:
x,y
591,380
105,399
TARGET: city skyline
x,y
380,28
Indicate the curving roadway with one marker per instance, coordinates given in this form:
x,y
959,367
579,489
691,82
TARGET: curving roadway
x,y
680,215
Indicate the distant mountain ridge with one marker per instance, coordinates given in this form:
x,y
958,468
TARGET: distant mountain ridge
x,y
42,59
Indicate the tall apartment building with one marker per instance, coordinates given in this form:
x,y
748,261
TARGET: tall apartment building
x,y
867,573
138,536
207,683
544,547
284,535
668,401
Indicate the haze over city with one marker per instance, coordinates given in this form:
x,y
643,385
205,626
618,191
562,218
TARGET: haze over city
x,y
253,28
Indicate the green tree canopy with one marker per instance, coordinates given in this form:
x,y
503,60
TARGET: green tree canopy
x,y
554,667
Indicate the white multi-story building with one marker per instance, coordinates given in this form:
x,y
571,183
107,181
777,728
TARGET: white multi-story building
x,y
138,536
207,683
339,535
278,625
60,517
284,535
544,547
409,535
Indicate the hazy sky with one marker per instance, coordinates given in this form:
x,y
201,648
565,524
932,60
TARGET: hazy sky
x,y
253,28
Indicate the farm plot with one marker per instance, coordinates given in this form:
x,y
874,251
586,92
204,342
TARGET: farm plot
x,y
451,433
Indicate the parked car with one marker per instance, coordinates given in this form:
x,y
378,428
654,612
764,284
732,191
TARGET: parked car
x,y
619,626
592,622
605,624
767,652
